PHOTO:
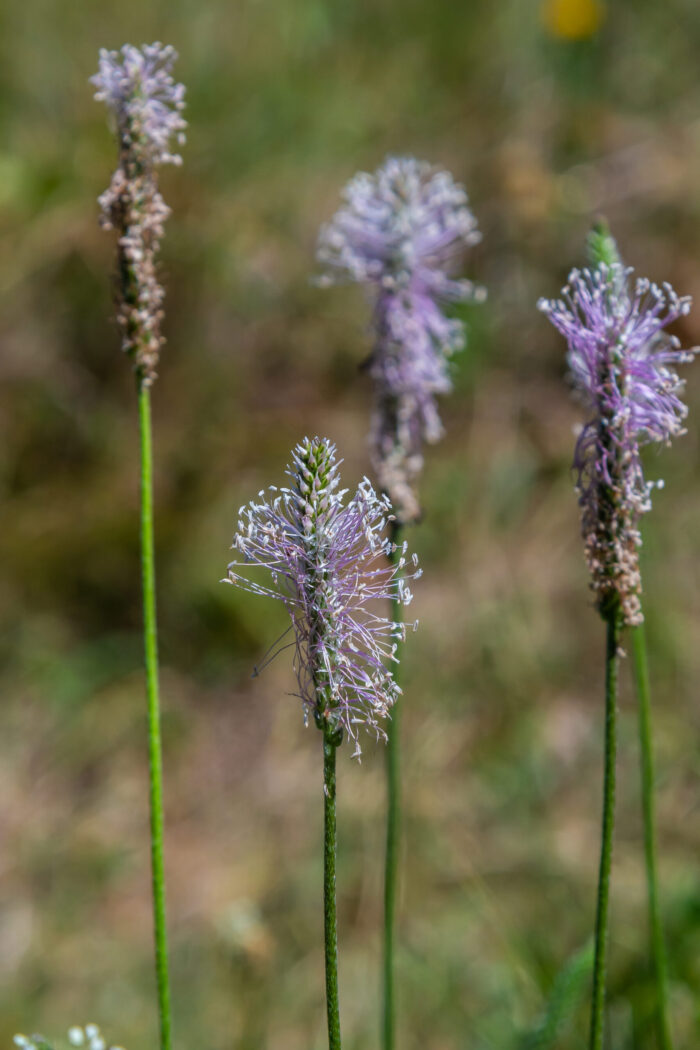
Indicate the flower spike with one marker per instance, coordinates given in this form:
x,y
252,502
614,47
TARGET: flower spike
x,y
89,1038
401,232
622,362
138,87
326,560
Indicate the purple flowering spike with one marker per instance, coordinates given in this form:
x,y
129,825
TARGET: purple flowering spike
x,y
401,232
138,87
325,559
622,363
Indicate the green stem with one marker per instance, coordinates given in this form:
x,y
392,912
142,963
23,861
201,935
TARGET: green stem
x,y
601,929
393,818
658,952
154,745
330,746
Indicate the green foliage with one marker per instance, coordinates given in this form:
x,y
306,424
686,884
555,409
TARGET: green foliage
x,y
568,989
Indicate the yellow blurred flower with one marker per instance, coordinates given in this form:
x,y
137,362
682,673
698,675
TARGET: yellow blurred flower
x,y
572,19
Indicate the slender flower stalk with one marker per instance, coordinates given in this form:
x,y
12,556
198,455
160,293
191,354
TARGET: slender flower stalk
x,y
155,757
331,740
146,104
656,936
325,557
622,364
400,232
608,825
393,831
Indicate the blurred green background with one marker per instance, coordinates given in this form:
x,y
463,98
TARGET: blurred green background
x,y
550,115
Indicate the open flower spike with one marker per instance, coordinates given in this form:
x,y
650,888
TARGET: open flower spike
x,y
324,555
401,232
622,363
146,104
327,561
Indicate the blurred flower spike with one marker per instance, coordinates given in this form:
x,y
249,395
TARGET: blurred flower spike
x,y
90,1037
401,232
325,557
622,364
31,1042
138,87
573,19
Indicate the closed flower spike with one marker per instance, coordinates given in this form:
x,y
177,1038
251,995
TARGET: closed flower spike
x,y
622,363
138,87
401,231
325,559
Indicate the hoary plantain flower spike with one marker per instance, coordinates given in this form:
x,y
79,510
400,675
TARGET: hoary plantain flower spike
x,y
146,103
324,555
401,232
622,362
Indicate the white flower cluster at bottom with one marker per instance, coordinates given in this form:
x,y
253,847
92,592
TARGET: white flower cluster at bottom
x,y
90,1037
